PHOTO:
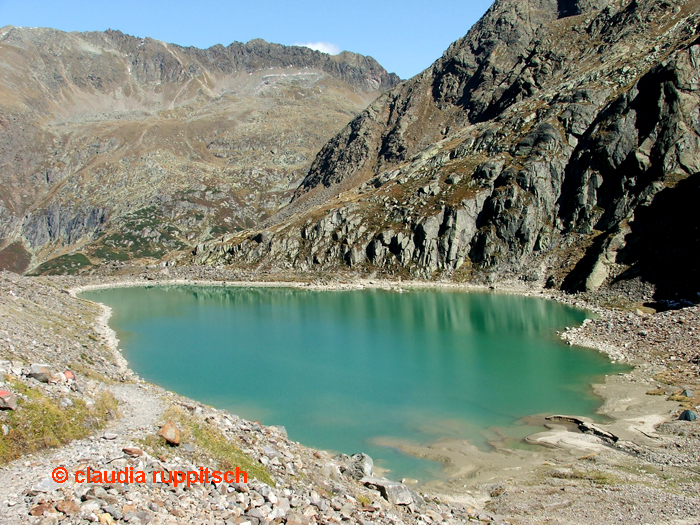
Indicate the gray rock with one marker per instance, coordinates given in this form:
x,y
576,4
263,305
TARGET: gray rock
x,y
143,516
41,372
393,491
687,415
597,276
109,509
687,393
361,466
46,485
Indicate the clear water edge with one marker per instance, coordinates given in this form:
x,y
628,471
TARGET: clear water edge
x,y
363,379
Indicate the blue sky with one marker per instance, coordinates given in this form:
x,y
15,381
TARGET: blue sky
x,y
404,36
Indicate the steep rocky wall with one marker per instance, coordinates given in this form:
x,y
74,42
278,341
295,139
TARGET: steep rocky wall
x,y
542,182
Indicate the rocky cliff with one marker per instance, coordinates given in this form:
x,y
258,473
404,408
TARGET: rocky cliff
x,y
114,147
556,142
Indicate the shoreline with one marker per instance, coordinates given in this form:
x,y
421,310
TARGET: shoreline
x,y
463,464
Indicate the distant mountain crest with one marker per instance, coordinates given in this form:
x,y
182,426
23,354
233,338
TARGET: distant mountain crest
x,y
128,147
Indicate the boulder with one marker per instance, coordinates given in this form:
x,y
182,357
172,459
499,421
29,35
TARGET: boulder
x,y
687,393
170,433
687,415
392,491
41,373
361,466
8,401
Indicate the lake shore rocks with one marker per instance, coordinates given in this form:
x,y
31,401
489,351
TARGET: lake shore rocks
x,y
310,486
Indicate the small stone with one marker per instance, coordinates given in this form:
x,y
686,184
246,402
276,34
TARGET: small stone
x,y
39,510
91,505
68,507
109,509
46,485
170,433
110,436
297,519
687,415
687,393
8,401
132,451
41,373
106,518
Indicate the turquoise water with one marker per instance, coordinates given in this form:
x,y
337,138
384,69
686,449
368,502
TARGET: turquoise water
x,y
349,370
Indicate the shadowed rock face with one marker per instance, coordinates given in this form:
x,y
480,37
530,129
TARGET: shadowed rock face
x,y
578,7
126,147
534,148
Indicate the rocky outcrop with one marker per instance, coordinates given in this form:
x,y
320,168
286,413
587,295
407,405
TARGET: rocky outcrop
x,y
56,223
539,146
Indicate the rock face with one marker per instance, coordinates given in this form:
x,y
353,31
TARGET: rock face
x,y
556,142
129,148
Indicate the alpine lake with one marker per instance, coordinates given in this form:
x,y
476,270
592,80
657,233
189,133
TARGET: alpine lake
x,y
350,371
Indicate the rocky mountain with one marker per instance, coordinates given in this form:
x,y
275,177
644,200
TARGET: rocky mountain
x,y
114,147
558,142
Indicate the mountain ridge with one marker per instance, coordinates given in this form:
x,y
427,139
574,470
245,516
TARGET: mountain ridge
x,y
84,116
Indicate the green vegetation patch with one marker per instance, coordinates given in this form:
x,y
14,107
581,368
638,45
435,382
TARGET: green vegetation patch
x,y
65,264
40,423
108,254
596,476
